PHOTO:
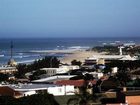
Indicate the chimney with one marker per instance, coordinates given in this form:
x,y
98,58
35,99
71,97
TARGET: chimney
x,y
124,89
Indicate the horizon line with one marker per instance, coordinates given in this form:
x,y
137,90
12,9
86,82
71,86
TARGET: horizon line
x,y
70,37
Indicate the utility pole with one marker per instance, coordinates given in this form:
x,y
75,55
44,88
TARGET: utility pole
x,y
11,60
11,47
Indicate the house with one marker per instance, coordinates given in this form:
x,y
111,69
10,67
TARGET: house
x,y
97,75
78,84
30,89
60,70
95,59
108,84
114,70
8,70
54,78
132,97
70,67
62,90
8,91
22,80
115,97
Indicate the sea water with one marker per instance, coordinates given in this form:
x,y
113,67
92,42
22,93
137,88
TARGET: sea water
x,y
23,46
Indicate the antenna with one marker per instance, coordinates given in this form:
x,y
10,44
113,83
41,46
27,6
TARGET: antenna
x,y
11,61
11,47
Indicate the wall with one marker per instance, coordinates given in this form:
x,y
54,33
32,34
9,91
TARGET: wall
x,y
133,100
62,90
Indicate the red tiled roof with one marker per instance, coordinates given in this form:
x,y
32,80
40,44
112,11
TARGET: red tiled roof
x,y
104,78
93,82
78,83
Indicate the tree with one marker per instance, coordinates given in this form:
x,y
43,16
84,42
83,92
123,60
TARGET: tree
x,y
36,74
22,69
123,78
46,62
37,99
75,62
8,100
3,77
136,82
84,97
88,77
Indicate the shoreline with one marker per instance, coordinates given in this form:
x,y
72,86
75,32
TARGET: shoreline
x,y
68,55
79,56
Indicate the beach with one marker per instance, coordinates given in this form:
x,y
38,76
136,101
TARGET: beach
x,y
28,50
79,56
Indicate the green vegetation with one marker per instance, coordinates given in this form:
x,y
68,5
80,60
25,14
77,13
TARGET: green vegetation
x,y
62,100
109,49
123,78
84,98
3,77
134,83
46,62
75,62
123,65
37,99
36,74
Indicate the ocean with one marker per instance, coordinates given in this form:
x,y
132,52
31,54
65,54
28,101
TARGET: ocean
x,y
23,46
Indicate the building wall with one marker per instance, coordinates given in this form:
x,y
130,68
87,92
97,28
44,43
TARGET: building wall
x,y
72,67
97,75
63,90
133,100
8,70
28,93
61,69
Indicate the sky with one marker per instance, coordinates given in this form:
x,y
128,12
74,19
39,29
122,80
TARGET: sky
x,y
69,18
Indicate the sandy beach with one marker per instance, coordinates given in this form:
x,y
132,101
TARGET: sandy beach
x,y
79,56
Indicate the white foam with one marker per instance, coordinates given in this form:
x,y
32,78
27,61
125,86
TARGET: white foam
x,y
1,55
79,47
26,61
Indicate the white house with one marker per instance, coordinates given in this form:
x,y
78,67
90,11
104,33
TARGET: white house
x,y
61,69
56,90
97,74
112,57
61,90
28,93
7,69
54,78
114,70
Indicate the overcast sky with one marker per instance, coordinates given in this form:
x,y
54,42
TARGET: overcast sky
x,y
69,18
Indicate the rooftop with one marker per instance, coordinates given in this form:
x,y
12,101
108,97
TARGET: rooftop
x,y
111,57
30,87
78,83
7,68
54,78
